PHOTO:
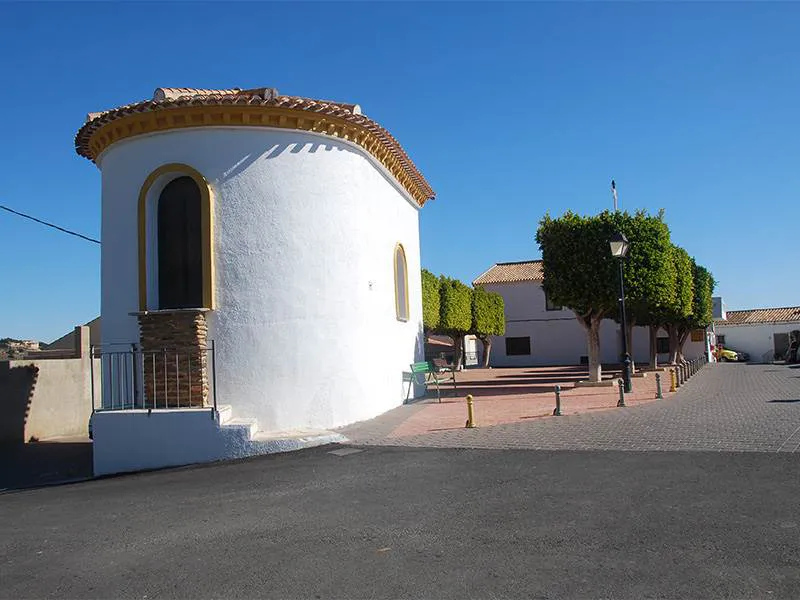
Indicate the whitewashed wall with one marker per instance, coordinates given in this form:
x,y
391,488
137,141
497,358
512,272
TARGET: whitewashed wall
x,y
756,340
557,338
305,230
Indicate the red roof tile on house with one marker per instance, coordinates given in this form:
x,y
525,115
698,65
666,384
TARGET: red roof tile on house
x,y
755,316
512,272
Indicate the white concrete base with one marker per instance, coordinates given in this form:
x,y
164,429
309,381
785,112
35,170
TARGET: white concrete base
x,y
136,440
603,383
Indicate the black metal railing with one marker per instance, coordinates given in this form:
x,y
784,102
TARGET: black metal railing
x,y
133,378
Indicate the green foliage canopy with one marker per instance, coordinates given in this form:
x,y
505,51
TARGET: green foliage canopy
x,y
684,296
431,301
488,313
650,275
702,303
579,270
455,307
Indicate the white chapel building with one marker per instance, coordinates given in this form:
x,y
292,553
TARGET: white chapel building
x,y
255,247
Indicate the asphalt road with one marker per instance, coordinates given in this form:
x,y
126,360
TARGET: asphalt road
x,y
416,523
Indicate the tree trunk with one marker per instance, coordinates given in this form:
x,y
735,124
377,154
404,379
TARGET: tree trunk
x,y
591,323
458,354
683,335
654,346
487,349
672,330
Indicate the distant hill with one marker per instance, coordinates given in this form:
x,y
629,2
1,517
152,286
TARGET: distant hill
x,y
12,348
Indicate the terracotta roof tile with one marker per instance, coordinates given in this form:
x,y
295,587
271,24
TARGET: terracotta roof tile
x,y
529,270
787,314
172,93
167,98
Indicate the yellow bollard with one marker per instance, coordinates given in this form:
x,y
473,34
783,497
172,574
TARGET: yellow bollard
x,y
672,380
470,413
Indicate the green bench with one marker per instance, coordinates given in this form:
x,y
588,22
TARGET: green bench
x,y
431,370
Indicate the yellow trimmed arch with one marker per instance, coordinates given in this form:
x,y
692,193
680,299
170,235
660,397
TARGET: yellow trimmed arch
x,y
400,303
206,228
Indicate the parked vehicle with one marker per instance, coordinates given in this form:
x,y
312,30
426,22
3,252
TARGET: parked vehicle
x,y
729,355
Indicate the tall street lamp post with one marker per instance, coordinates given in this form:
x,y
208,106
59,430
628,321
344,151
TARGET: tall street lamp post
x,y
619,250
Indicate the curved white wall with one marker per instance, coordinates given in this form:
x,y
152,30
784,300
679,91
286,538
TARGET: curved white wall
x,y
305,229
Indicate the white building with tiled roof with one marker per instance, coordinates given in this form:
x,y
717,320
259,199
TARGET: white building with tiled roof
x,y
763,333
540,333
253,244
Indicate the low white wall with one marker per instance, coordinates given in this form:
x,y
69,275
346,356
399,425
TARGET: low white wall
x,y
756,340
136,440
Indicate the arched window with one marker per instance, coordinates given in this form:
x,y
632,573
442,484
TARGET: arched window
x,y
400,283
176,232
180,264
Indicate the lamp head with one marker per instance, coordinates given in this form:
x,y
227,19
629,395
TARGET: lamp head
x,y
619,245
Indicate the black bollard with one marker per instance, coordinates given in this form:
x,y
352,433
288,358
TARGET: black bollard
x,y
659,395
557,411
621,393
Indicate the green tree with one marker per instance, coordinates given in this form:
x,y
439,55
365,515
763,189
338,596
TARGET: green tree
x,y
579,273
681,310
430,301
455,315
649,275
702,306
488,319
657,317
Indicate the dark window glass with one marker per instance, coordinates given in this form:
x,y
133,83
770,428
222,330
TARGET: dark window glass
x,y
180,270
548,304
662,345
721,340
518,346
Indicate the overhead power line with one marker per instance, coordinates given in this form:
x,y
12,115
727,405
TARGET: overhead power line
x,y
80,235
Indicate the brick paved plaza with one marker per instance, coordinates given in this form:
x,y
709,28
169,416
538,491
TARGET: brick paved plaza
x,y
725,407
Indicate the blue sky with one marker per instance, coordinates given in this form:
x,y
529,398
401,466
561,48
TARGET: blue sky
x,y
509,110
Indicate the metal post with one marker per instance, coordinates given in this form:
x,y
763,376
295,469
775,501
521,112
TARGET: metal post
x,y
621,393
626,357
178,377
470,413
134,376
557,411
166,379
214,373
659,395
673,384
190,379
118,387
91,373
